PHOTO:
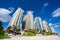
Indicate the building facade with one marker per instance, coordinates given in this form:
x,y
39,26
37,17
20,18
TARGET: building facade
x,y
52,28
38,24
46,27
16,18
29,20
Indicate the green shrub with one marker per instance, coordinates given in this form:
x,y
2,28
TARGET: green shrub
x,y
47,33
29,34
32,31
3,35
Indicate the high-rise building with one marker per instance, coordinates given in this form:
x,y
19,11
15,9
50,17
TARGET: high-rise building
x,y
46,26
52,28
16,18
29,20
38,24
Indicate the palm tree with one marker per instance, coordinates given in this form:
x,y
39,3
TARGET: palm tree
x,y
18,30
8,29
15,28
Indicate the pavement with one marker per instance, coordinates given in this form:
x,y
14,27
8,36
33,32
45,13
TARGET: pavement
x,y
18,37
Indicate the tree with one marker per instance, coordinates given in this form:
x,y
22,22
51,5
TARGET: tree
x,y
9,28
15,28
44,31
1,27
23,25
18,30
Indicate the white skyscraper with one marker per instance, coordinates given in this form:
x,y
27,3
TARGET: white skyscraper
x,y
29,20
38,24
16,18
52,28
46,26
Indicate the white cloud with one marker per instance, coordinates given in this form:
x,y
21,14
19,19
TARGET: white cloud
x,y
50,24
4,14
29,11
57,26
54,25
56,13
46,4
11,9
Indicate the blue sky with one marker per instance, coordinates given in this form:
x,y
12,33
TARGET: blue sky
x,y
48,10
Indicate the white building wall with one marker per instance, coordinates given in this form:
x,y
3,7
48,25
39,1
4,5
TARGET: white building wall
x,y
29,21
16,18
38,23
46,26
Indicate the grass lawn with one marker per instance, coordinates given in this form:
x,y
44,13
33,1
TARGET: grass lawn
x,y
29,34
47,33
3,35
